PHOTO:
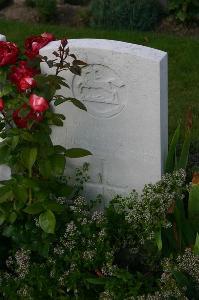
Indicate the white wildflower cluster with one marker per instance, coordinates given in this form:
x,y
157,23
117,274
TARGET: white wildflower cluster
x,y
98,217
22,258
109,269
89,254
156,296
68,241
23,292
63,278
80,207
169,288
107,295
189,263
58,250
19,263
146,212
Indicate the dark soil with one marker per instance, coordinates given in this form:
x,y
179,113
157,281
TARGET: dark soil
x,y
171,26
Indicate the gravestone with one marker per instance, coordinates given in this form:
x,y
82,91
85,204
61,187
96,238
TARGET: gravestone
x,y
124,88
2,37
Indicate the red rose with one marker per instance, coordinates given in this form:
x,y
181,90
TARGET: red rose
x,y
26,83
1,104
22,76
34,43
8,53
22,122
38,103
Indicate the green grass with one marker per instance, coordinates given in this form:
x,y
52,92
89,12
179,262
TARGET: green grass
x,y
183,60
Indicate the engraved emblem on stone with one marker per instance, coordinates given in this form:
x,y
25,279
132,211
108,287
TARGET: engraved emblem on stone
x,y
101,89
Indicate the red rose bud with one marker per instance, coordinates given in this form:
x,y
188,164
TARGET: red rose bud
x,y
8,53
1,104
64,42
34,43
38,103
22,122
26,83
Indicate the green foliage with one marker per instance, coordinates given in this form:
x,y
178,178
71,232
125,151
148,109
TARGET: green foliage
x,y
185,10
77,2
116,253
31,3
47,9
128,14
178,159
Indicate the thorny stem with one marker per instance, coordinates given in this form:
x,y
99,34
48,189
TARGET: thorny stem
x,y
30,190
62,58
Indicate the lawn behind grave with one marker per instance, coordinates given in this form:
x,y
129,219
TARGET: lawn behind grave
x,y
183,60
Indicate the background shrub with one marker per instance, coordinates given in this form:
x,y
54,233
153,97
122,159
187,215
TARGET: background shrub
x,y
127,14
185,10
31,3
4,3
77,2
47,9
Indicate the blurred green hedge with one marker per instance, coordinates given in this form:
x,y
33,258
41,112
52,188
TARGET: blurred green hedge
x,y
125,14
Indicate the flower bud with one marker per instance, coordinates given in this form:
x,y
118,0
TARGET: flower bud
x,y
64,42
1,104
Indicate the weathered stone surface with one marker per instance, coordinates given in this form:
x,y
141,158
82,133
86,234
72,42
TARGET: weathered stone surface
x,y
124,88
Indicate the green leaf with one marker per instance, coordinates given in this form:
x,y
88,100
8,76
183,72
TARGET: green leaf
x,y
97,281
4,153
79,62
158,239
5,194
77,152
64,191
12,217
6,90
59,149
21,193
2,218
34,209
28,157
196,246
45,168
54,206
182,164
181,279
193,206
60,99
170,161
78,103
47,221
58,162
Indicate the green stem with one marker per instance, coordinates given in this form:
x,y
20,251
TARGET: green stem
x,y
30,190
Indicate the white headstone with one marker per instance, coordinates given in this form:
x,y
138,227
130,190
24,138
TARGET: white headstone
x,y
2,37
124,88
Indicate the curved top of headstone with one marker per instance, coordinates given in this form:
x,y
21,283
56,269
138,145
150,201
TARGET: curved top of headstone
x,y
114,46
2,37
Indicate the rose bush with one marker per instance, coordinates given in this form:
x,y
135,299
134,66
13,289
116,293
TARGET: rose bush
x,y
26,105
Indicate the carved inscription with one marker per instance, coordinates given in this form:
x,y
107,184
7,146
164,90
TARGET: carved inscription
x,y
101,89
